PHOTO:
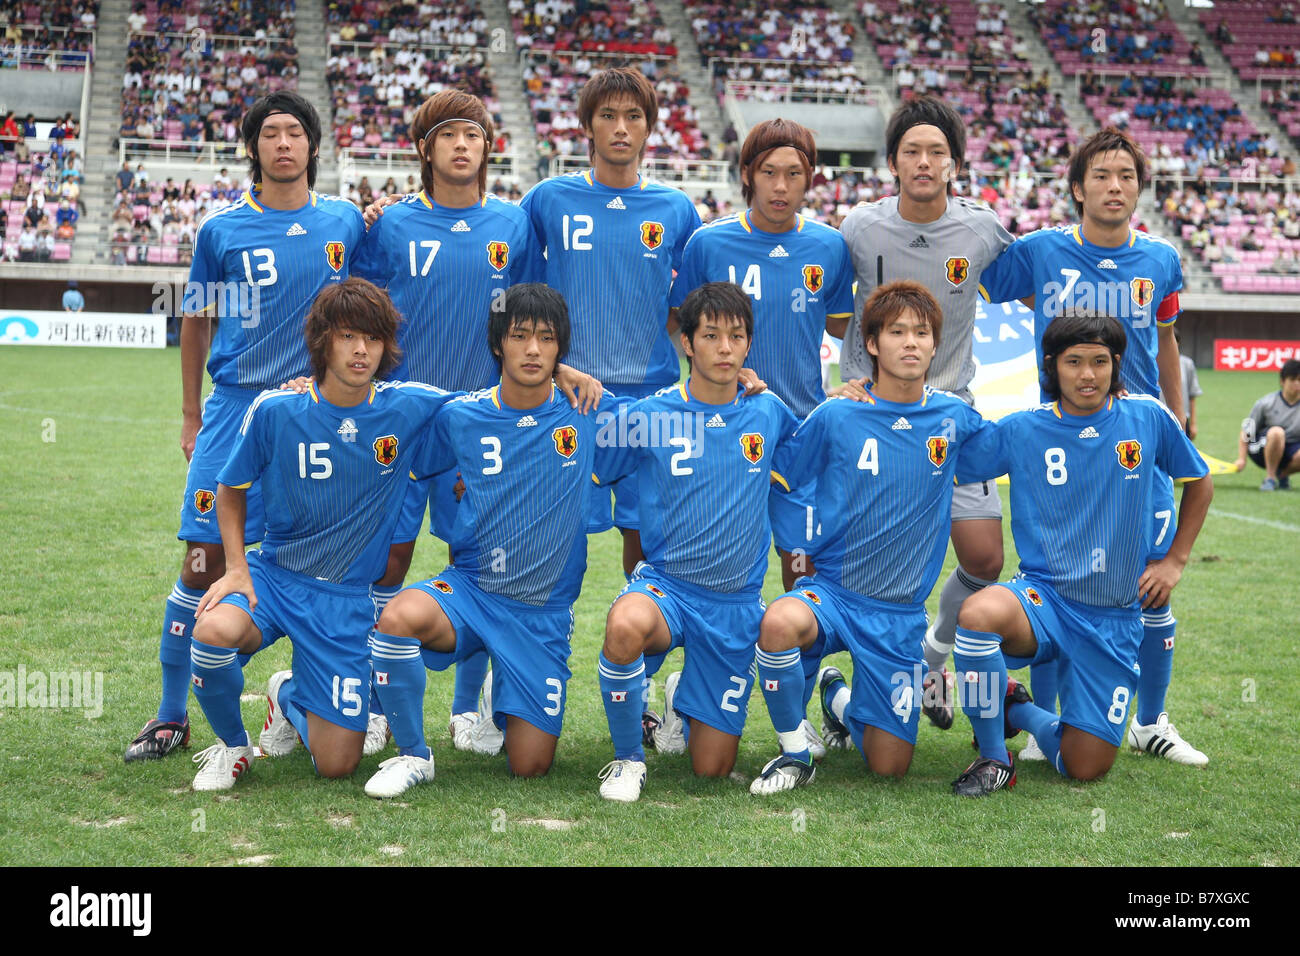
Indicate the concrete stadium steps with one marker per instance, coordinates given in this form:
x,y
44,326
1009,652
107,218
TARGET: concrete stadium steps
x,y
99,138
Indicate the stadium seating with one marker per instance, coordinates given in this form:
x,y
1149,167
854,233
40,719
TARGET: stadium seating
x,y
632,27
804,30
1257,38
1083,34
966,32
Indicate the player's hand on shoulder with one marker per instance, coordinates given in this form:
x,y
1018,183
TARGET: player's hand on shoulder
x,y
298,385
372,212
753,384
582,390
190,425
236,580
854,388
1158,581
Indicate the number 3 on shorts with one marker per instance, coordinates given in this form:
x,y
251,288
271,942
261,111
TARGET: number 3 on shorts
x,y
556,698
1118,705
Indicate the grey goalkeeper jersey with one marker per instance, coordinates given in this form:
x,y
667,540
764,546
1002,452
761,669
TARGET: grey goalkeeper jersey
x,y
1269,411
946,256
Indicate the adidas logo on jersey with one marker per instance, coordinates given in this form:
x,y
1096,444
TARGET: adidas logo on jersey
x,y
715,422
778,253
1089,432
919,243
348,430
615,203
526,422
902,425
296,230
1107,264
461,226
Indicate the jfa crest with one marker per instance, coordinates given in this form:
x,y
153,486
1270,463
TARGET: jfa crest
x,y
937,446
1142,290
566,440
958,268
334,255
812,278
498,254
1130,453
655,591
442,586
652,235
812,596
204,500
752,445
1034,598
386,449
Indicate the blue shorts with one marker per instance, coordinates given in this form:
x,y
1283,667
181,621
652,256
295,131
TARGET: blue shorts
x,y
329,625
1097,648
223,414
884,641
626,495
794,518
719,633
529,648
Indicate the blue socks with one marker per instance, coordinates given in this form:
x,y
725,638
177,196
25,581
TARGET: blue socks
x,y
781,676
1043,685
174,651
1046,728
398,679
1156,658
218,682
470,673
982,688
621,690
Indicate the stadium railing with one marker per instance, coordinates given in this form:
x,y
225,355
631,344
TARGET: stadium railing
x,y
382,162
801,91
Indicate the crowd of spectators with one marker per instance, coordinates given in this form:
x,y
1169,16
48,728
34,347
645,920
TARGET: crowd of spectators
x,y
592,26
1081,33
40,191
375,91
1283,103
429,24
915,35
263,20
1237,231
176,89
806,30
776,80
1263,38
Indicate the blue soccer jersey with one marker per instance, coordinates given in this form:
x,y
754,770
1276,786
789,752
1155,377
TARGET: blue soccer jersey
x,y
884,474
703,473
611,253
444,269
1083,489
794,279
519,529
259,270
1137,283
333,479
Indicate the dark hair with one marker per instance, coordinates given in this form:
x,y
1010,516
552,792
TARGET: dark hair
x,y
444,106
352,304
609,84
1080,327
529,303
1290,369
282,101
1106,141
889,301
928,111
720,300
767,136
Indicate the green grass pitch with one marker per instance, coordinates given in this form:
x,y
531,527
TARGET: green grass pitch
x,y
90,479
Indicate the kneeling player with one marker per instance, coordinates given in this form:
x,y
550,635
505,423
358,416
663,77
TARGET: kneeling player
x,y
518,547
703,476
1085,471
884,470
333,464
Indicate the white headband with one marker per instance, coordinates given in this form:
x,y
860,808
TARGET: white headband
x,y
457,119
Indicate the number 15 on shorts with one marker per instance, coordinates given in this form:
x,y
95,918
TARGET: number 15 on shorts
x,y
347,695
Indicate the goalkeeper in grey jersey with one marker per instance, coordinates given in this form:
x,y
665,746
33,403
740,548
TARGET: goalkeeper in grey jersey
x,y
927,234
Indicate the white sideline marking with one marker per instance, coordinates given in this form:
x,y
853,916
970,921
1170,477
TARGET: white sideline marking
x,y
1251,519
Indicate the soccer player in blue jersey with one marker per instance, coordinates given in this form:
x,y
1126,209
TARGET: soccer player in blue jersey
x,y
701,453
1086,472
798,274
613,239
258,265
518,549
884,470
1104,264
333,465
